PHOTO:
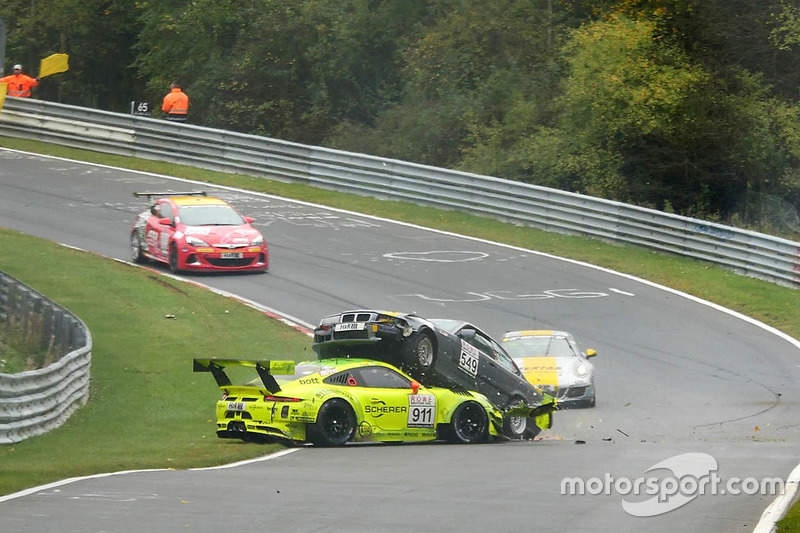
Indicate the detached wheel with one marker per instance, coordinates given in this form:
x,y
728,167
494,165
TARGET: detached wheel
x,y
335,425
421,353
136,248
469,424
173,259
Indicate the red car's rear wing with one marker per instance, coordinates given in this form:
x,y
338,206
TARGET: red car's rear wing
x,y
150,195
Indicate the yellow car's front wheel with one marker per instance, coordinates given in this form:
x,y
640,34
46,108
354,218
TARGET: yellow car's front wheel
x,y
469,424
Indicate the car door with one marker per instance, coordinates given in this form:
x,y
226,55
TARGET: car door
x,y
494,380
385,399
158,234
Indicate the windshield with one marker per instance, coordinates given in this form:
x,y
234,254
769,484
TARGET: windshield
x,y
527,346
209,215
539,346
447,324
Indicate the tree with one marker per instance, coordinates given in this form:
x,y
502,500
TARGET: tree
x,y
98,36
460,73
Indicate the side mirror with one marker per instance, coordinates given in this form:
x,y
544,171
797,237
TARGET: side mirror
x,y
467,333
414,386
164,221
249,220
590,353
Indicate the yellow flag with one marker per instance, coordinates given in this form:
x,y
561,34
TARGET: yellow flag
x,y
53,65
3,90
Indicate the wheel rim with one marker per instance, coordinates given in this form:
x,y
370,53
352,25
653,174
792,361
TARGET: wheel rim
x,y
517,424
425,352
136,249
337,424
470,423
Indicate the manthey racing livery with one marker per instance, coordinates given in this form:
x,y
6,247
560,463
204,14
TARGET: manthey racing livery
x,y
437,352
190,231
552,361
331,402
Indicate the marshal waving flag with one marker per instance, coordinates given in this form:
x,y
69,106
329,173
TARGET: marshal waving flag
x,y
53,65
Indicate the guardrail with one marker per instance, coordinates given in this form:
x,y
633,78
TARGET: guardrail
x,y
746,252
37,401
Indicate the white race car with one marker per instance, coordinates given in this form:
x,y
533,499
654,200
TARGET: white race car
x,y
552,361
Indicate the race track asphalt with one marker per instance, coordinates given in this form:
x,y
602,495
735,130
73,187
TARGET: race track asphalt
x,y
674,376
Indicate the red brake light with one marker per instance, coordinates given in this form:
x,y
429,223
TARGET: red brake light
x,y
281,399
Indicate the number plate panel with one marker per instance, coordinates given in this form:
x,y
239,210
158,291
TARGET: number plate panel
x,y
236,406
349,326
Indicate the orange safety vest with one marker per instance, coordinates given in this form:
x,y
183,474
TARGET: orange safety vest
x,y
19,85
176,103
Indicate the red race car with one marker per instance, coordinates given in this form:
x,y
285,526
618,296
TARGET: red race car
x,y
190,231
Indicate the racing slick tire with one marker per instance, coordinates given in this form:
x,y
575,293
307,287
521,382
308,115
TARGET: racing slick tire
x,y
173,259
469,424
136,248
420,354
515,427
335,425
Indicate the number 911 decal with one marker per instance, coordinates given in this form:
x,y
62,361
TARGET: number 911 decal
x,y
421,410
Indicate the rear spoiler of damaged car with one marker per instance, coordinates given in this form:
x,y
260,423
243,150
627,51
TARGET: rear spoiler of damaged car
x,y
267,370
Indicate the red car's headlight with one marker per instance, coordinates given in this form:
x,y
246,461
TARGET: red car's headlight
x,y
194,241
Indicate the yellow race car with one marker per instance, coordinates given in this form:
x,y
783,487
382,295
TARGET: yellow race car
x,y
330,402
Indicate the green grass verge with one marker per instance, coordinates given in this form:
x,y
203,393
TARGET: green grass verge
x,y
791,522
770,303
146,408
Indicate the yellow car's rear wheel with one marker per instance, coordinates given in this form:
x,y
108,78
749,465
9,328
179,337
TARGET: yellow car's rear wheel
x,y
335,425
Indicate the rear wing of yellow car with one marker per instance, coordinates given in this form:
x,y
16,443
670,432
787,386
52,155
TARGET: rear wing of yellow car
x,y
267,370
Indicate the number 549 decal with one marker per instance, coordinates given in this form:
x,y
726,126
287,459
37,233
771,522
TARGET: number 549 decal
x,y
468,361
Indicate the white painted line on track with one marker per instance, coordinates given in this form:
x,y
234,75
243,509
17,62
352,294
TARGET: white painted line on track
x,y
63,482
612,289
779,505
275,455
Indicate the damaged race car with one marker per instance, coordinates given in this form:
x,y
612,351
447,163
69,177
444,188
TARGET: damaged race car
x,y
552,361
336,401
437,352
190,231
